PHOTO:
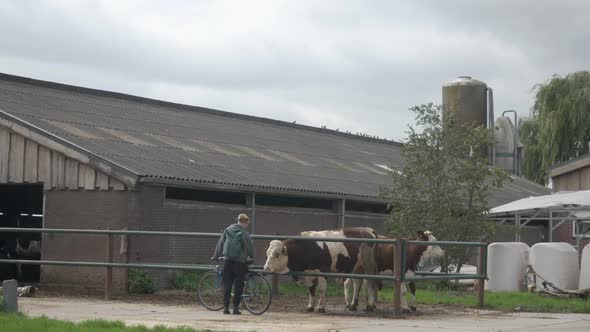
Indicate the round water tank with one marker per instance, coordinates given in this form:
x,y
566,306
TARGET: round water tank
x,y
507,264
556,262
585,270
505,140
467,98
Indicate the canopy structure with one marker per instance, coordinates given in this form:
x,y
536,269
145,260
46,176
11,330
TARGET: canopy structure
x,y
555,210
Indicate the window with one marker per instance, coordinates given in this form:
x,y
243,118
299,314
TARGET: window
x,y
293,201
357,206
200,195
583,227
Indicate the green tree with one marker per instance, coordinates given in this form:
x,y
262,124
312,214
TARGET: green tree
x,y
559,126
445,181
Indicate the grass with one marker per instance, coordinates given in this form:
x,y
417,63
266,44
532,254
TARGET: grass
x,y
22,323
427,293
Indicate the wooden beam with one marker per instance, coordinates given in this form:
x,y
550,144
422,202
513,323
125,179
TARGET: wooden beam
x,y
90,178
66,148
81,176
31,158
102,181
60,169
16,159
71,174
44,171
4,154
116,184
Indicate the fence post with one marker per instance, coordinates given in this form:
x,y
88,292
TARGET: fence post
x,y
397,272
108,280
10,296
481,270
275,285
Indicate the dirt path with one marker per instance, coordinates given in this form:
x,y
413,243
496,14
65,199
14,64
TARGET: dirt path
x,y
151,311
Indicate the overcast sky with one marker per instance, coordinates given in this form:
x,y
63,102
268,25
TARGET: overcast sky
x,y
352,65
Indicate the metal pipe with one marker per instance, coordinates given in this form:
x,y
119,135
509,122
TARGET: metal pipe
x,y
515,141
447,243
188,268
341,212
550,226
404,257
491,123
446,277
517,234
253,213
191,234
397,285
481,272
108,280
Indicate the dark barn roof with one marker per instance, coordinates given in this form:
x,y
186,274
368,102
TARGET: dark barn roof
x,y
165,142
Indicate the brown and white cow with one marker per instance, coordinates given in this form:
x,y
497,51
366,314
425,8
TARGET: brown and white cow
x,y
342,257
384,257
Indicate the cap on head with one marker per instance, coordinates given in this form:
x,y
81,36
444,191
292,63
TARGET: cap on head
x,y
243,217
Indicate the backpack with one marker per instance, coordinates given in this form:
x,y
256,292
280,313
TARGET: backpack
x,y
234,245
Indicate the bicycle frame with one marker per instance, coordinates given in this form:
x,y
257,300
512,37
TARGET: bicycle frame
x,y
219,280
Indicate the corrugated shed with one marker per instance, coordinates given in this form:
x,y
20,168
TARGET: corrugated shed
x,y
193,145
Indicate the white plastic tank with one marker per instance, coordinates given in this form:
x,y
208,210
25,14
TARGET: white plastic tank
x,y
507,264
585,270
556,262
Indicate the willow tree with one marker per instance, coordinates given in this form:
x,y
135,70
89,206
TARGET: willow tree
x,y
559,126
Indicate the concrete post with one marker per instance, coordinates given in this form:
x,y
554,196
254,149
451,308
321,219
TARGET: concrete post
x,y
10,296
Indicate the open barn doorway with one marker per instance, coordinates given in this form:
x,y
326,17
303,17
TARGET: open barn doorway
x,y
21,205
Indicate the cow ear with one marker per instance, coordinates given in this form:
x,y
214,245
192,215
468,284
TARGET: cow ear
x,y
422,236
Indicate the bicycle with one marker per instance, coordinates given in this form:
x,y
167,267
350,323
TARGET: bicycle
x,y
256,298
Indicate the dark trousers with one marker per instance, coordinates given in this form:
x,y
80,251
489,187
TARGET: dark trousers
x,y
233,273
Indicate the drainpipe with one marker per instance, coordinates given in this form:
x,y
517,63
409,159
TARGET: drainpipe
x,y
515,152
491,123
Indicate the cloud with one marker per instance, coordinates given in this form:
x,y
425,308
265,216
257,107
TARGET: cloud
x,y
343,64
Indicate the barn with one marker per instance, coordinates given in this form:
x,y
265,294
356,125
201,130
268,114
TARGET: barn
x,y
74,157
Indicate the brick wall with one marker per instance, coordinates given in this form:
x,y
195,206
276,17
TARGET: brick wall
x,y
564,233
157,214
147,209
372,220
90,210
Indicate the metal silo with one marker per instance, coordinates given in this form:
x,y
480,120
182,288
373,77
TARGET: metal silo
x,y
472,101
468,98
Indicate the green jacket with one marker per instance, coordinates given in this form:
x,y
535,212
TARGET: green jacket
x,y
232,230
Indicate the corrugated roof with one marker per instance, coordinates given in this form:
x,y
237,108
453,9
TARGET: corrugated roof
x,y
185,144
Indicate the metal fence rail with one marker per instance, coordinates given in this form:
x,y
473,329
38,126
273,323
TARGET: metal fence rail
x,y
400,249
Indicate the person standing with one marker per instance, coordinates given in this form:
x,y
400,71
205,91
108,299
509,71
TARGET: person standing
x,y
235,246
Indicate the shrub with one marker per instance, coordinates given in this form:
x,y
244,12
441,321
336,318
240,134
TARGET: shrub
x,y
186,280
140,282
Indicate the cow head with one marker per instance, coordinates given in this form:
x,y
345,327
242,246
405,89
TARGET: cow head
x,y
432,251
276,257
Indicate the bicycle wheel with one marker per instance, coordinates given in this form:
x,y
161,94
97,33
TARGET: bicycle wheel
x,y
257,294
210,290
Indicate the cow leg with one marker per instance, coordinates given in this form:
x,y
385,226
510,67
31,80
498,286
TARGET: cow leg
x,y
413,296
346,296
370,294
411,274
321,287
403,301
405,307
311,293
356,285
